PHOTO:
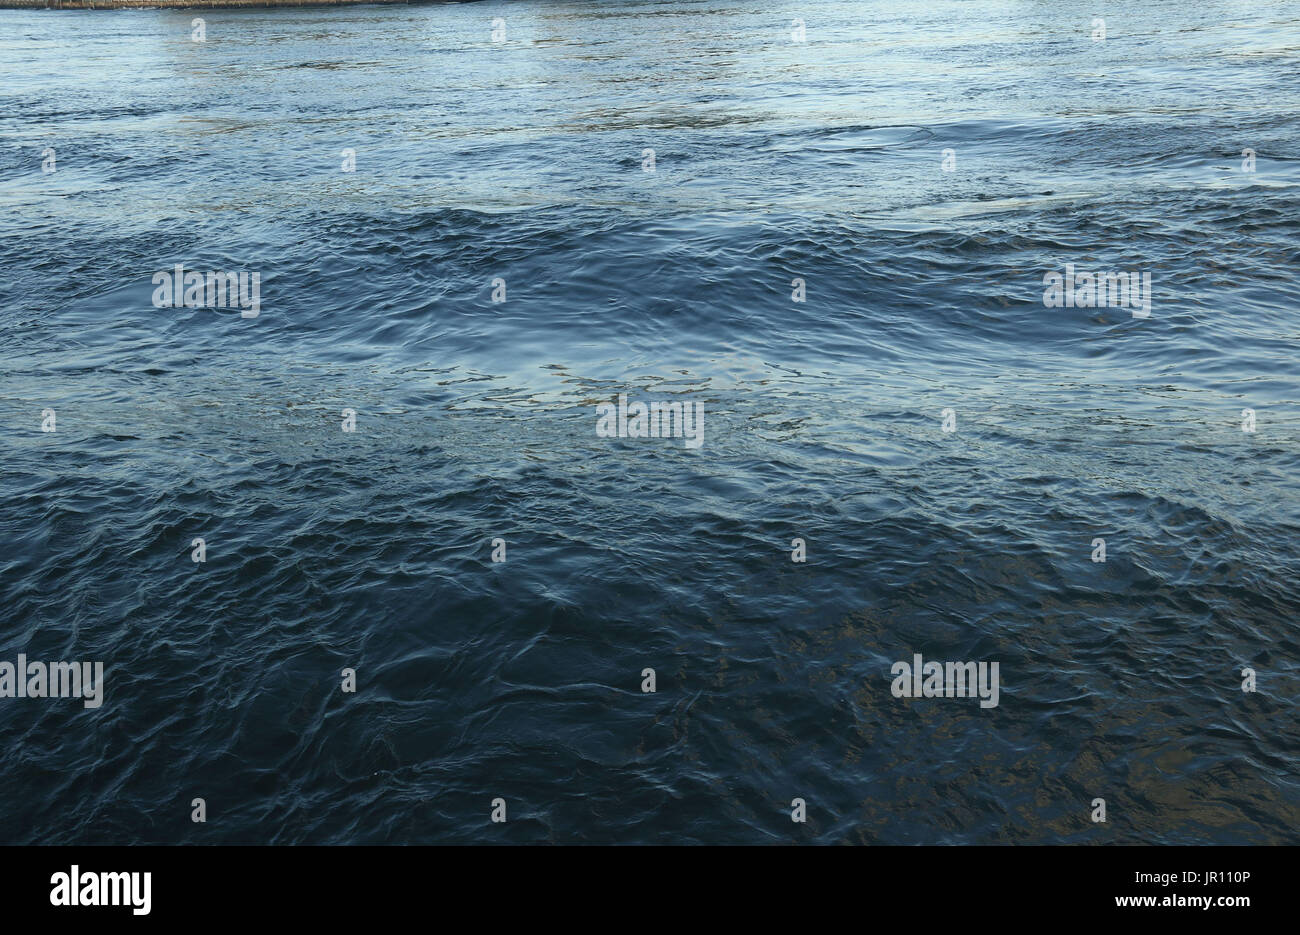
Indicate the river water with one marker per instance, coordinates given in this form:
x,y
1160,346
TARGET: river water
x,y
776,156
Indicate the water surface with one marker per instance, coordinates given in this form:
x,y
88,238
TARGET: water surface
x,y
774,160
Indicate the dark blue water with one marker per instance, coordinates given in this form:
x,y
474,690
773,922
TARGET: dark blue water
x,y
775,160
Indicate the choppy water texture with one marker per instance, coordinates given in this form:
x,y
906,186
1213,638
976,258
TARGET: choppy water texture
x,y
775,160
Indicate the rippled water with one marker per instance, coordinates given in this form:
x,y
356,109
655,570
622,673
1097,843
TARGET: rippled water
x,y
774,160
